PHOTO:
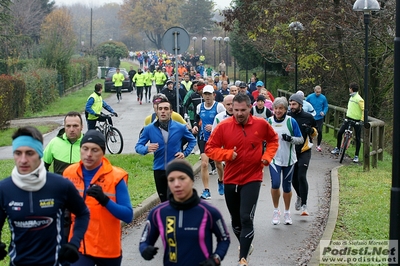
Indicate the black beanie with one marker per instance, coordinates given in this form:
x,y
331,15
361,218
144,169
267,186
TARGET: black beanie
x,y
180,165
94,136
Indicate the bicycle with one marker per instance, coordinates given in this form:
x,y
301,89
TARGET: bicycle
x,y
114,140
348,134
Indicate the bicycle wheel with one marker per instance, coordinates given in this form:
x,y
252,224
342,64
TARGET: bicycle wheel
x,y
344,146
114,141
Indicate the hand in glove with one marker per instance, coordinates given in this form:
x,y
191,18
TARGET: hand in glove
x,y
97,193
115,114
97,115
308,129
286,137
3,251
209,262
149,252
69,253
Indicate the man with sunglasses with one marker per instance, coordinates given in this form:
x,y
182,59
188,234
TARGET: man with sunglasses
x,y
165,138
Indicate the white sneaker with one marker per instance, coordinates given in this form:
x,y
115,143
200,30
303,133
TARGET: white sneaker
x,y
304,211
276,217
287,218
297,205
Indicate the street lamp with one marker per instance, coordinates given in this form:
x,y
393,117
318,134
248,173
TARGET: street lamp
x,y
366,6
214,39
144,44
394,232
194,44
204,39
219,39
226,40
295,27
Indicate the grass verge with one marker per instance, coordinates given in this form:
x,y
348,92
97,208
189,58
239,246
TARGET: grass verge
x,y
5,134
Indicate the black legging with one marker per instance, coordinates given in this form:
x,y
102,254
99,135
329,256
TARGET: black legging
x,y
118,89
139,91
357,131
299,180
160,178
147,90
159,88
241,202
319,124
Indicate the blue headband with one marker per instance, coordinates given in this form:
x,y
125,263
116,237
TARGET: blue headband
x,y
30,142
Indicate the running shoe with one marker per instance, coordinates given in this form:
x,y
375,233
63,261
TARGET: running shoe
x,y
355,160
213,172
221,189
243,262
335,151
287,218
137,98
304,211
140,102
276,217
206,194
318,148
118,101
297,205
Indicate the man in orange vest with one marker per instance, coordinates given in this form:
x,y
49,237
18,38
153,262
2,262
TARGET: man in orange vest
x,y
104,189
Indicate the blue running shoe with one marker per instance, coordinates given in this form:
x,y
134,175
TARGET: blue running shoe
x,y
206,194
221,188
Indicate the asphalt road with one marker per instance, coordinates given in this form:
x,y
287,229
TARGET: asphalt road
x,y
274,245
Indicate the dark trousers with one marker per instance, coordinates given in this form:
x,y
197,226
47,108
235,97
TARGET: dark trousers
x,y
92,123
299,180
319,126
159,88
139,91
160,178
241,202
357,131
118,89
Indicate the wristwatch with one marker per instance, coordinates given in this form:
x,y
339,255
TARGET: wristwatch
x,y
217,259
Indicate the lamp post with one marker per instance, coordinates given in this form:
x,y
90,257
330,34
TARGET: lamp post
x,y
144,44
219,39
295,27
226,40
194,44
394,232
204,39
215,40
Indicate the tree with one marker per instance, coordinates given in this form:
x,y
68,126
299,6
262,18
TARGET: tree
x,y
112,49
197,16
4,12
58,40
330,49
153,17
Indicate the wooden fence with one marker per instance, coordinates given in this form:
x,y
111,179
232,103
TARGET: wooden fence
x,y
373,131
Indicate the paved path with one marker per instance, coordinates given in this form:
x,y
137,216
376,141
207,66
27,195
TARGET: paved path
x,y
274,245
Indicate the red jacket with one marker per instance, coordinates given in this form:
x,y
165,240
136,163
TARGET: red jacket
x,y
248,140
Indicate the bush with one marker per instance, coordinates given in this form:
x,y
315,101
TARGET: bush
x,y
42,88
80,69
12,93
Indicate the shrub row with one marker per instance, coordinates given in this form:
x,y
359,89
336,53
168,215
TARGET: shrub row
x,y
12,94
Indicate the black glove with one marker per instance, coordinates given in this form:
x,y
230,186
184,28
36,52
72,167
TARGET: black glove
x,y
308,129
97,193
115,114
68,252
3,251
149,252
286,137
97,115
209,262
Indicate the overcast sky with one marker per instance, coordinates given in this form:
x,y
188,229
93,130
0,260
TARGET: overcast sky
x,y
92,3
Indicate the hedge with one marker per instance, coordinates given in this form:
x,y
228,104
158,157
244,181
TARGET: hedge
x,y
12,94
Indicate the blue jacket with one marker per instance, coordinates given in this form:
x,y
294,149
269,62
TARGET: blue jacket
x,y
319,103
36,219
186,230
166,150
